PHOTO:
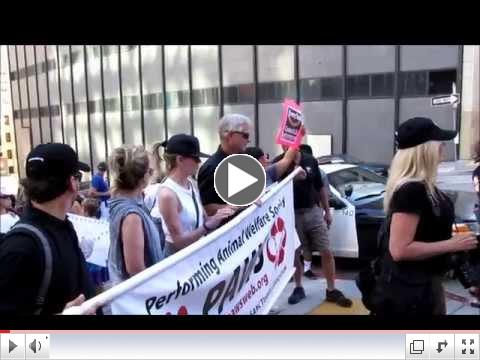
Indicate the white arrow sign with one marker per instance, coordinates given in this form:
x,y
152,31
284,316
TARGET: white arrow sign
x,y
238,180
452,99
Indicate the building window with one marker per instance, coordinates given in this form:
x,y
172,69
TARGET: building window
x,y
68,109
309,89
9,154
11,169
358,86
44,111
135,103
331,88
203,97
178,99
246,93
8,137
440,82
7,120
153,101
55,110
413,83
239,94
382,84
230,95
112,105
276,91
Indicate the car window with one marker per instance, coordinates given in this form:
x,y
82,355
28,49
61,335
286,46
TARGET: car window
x,y
355,175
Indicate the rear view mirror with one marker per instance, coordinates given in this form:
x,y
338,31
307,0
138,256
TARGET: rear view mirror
x,y
348,190
336,203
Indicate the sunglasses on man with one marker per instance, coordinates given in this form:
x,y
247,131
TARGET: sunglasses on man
x,y
245,135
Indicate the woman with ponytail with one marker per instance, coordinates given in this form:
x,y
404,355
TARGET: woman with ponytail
x,y
136,241
176,199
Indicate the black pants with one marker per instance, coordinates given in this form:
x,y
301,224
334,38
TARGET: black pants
x,y
396,297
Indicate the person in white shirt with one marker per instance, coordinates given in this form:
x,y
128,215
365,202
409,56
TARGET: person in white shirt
x,y
178,204
7,216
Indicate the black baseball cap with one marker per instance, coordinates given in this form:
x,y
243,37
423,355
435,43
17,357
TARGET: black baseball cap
x,y
254,152
419,130
53,160
102,166
185,145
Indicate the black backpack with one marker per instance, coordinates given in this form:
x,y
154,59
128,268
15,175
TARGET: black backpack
x,y
369,274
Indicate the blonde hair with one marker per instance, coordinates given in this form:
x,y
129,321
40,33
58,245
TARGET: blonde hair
x,y
418,163
128,164
170,160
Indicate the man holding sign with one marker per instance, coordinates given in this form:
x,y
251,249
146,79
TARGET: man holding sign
x,y
311,222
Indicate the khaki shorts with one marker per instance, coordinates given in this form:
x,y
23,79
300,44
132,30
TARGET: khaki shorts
x,y
312,231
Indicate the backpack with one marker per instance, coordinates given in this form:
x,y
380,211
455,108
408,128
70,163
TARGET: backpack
x,y
39,236
369,274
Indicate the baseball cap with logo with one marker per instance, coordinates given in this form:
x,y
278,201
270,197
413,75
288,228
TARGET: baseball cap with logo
x,y
419,130
53,160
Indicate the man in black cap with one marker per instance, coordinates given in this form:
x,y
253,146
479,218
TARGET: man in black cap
x,y
42,269
100,189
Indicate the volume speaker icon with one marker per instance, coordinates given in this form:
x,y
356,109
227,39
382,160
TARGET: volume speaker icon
x,y
35,346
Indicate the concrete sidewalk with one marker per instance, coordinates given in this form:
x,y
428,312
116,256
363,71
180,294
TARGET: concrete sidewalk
x,y
457,299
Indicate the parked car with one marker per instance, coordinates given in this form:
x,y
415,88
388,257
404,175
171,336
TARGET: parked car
x,y
378,168
356,197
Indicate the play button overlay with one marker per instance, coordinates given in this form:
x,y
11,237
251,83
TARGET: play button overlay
x,y
239,180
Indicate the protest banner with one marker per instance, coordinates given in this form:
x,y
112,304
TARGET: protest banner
x,y
290,133
94,234
241,268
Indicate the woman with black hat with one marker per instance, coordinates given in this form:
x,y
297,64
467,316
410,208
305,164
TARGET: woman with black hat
x,y
418,236
178,200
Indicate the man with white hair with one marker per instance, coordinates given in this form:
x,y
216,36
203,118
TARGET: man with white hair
x,y
234,131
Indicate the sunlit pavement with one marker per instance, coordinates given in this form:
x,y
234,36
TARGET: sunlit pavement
x,y
457,298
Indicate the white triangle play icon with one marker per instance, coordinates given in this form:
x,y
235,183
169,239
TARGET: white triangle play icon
x,y
238,180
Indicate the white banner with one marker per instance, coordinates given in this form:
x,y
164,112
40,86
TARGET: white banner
x,y
94,238
245,265
241,268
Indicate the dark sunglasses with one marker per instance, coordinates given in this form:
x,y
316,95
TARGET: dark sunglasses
x,y
4,196
78,176
194,158
245,135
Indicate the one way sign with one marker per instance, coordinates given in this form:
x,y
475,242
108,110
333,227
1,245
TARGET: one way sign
x,y
452,99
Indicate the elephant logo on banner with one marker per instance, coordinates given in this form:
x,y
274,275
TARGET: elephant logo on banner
x,y
276,242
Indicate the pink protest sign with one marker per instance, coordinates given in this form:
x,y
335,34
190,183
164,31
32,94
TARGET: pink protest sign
x,y
290,132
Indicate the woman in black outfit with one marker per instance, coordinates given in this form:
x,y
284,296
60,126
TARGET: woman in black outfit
x,y
418,238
